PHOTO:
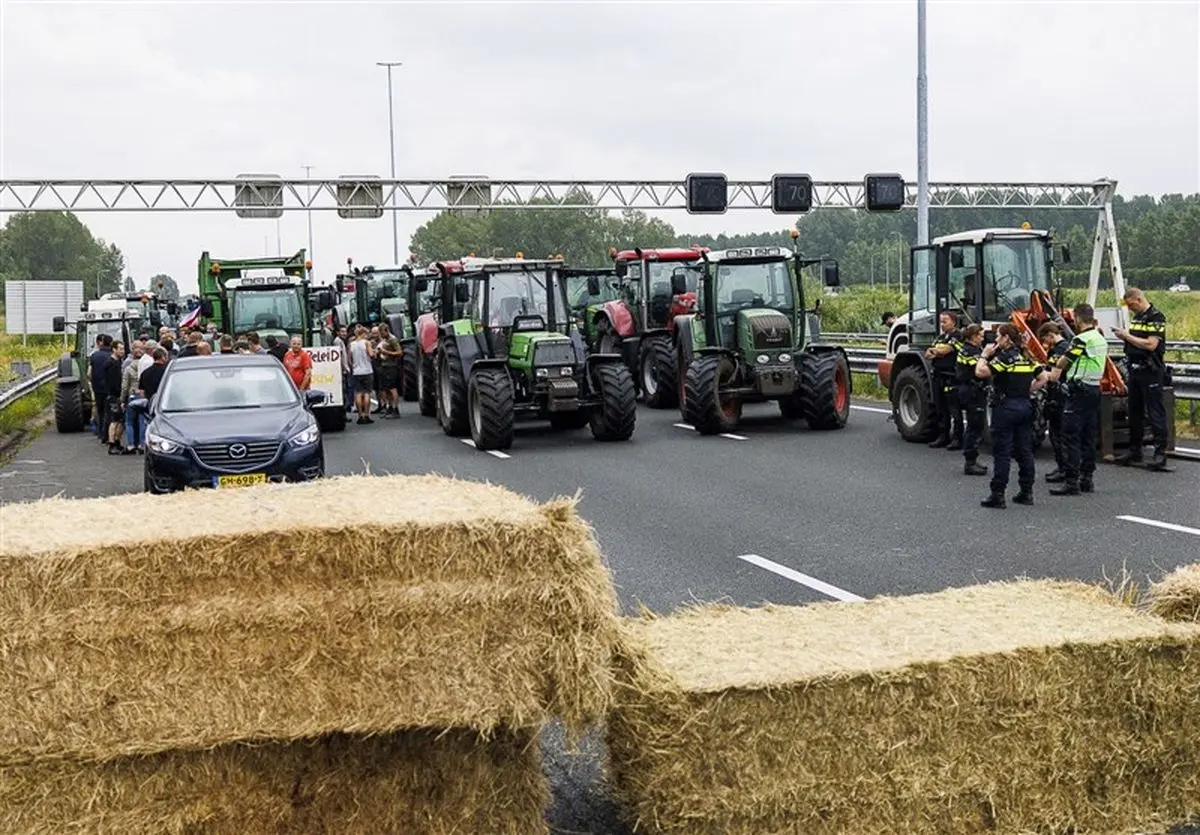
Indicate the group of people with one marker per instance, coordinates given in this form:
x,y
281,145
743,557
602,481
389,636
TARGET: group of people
x,y
371,364
968,377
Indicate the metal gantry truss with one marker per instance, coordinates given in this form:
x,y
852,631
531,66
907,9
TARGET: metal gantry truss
x,y
369,197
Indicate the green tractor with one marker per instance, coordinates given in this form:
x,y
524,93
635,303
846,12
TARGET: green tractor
x,y
514,355
73,400
753,341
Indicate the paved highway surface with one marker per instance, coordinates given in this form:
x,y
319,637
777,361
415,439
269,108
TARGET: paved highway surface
x,y
773,513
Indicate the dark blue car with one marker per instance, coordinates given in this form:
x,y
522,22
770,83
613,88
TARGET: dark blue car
x,y
231,421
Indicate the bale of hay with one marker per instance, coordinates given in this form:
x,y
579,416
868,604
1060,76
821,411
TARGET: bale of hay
x,y
1177,596
139,624
1032,706
408,783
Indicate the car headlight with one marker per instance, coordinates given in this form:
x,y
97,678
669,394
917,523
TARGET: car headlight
x,y
785,357
306,437
160,444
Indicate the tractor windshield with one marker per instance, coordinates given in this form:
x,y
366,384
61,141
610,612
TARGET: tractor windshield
x,y
1012,269
512,294
267,310
742,285
578,296
390,285
427,301
115,329
661,272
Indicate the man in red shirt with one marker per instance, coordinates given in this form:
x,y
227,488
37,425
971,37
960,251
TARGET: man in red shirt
x,y
299,365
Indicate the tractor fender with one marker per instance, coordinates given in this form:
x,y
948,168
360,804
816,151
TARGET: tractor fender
x,y
594,360
427,333
621,317
579,346
470,350
484,362
68,372
683,338
708,351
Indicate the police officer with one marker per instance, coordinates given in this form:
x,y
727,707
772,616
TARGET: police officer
x,y
1013,375
943,354
1050,335
972,397
1145,347
1081,368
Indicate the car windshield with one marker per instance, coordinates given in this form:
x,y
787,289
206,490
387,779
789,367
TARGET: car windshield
x,y
512,294
267,310
228,386
739,286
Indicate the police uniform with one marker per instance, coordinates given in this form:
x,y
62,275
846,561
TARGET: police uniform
x,y
1053,409
1087,355
945,380
1147,372
1012,424
972,399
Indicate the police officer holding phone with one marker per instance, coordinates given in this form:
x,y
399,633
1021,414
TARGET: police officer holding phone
x,y
1145,348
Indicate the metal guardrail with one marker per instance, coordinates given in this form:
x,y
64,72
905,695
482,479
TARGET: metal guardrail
x,y
27,386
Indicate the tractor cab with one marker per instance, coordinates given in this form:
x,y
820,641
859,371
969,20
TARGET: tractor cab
x,y
509,297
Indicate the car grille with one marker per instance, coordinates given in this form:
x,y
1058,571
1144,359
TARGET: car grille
x,y
218,456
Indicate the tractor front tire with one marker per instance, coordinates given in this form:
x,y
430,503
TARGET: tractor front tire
x,y
68,408
490,404
409,372
825,388
616,416
426,387
656,367
451,391
703,407
913,408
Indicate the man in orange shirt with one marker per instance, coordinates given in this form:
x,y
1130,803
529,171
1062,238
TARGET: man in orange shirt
x,y
299,365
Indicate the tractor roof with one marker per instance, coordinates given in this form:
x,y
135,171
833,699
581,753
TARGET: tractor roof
x,y
975,236
665,254
108,315
737,253
472,264
263,282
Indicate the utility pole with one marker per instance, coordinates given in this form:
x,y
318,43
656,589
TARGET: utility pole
x,y
308,190
922,132
392,146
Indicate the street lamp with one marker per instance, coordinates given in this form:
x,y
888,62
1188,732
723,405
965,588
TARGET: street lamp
x,y
308,191
392,144
900,259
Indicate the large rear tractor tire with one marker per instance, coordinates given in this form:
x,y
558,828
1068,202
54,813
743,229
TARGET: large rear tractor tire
x,y
451,391
825,387
705,408
68,408
616,416
490,405
656,373
409,372
426,388
913,408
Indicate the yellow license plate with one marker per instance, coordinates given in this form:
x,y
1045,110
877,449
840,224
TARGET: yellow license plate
x,y
243,480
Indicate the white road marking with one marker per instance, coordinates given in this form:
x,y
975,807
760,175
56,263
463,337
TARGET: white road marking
x,y
1155,523
871,409
495,453
728,435
797,577
1188,450
685,426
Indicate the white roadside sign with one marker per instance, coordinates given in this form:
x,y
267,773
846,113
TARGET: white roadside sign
x,y
327,373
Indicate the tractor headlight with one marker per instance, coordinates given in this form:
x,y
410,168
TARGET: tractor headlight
x,y
566,371
763,359
785,357
541,372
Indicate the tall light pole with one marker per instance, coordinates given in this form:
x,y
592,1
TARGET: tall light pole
x,y
900,259
392,144
308,192
922,132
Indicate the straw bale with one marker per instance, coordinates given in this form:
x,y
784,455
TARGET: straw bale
x,y
146,623
1031,706
408,783
1177,596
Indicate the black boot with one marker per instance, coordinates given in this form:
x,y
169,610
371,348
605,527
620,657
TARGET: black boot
x,y
972,468
941,441
1159,461
1056,476
1127,458
1086,486
996,499
955,444
1025,496
1070,487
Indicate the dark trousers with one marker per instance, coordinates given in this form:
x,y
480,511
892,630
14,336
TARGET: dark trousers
x,y
1080,424
974,404
945,395
1053,409
101,407
1012,437
1146,401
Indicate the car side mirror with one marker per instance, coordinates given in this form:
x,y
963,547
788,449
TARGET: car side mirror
x,y
314,397
830,274
59,324
1066,254
206,307
593,285
462,293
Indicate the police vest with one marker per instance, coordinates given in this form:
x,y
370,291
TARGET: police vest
x,y
1088,366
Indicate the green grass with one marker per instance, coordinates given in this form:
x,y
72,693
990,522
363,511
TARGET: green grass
x,y
41,350
1181,309
19,414
867,386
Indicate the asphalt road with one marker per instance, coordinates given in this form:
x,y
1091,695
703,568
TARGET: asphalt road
x,y
774,513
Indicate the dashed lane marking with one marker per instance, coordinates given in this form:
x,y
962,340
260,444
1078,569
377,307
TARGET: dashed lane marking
x,y
796,577
495,453
1155,523
685,426
728,435
871,409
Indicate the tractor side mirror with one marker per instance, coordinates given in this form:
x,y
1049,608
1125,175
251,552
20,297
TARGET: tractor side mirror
x,y
956,257
422,285
830,274
59,323
622,268
172,309
462,293
593,285
206,308
1066,254
325,300
83,307
156,319
678,281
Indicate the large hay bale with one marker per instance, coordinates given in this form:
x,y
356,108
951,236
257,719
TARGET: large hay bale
x,y
1177,596
139,624
1033,706
408,783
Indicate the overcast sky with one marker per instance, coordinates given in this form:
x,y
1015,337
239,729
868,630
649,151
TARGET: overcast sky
x,y
1061,91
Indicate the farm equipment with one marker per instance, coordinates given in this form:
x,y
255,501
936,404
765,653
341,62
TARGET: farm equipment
x,y
152,312
637,321
751,341
513,355
438,296
73,400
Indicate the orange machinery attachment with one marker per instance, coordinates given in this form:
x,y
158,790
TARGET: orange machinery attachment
x,y
1041,310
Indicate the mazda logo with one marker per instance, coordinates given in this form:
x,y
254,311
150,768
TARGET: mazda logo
x,y
237,450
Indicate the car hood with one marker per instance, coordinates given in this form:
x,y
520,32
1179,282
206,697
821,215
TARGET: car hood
x,y
232,424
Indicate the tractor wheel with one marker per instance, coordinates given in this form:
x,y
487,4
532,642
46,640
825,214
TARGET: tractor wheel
x,y
569,421
410,373
913,408
490,405
68,408
705,408
656,372
451,391
825,389
616,416
681,382
426,388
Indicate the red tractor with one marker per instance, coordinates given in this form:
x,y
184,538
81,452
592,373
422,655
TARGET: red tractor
x,y
639,322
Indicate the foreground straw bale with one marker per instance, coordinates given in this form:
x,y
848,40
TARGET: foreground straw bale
x,y
408,783
139,624
1004,708
1177,596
